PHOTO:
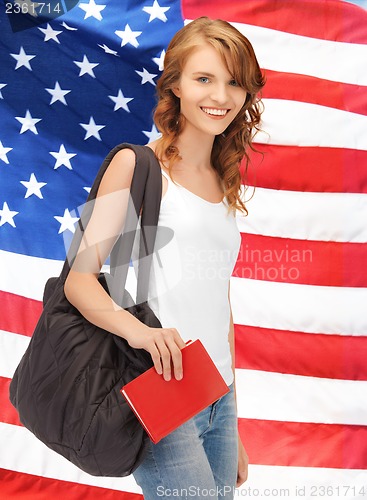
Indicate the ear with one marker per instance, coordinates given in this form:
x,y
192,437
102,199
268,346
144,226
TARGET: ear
x,y
176,91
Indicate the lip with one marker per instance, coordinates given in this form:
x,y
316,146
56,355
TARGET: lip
x,y
215,117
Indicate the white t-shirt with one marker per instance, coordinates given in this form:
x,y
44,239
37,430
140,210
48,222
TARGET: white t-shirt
x,y
196,249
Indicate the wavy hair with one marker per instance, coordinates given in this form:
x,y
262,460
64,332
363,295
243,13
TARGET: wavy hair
x,y
230,147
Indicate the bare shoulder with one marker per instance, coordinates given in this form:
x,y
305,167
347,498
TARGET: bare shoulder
x,y
119,172
152,145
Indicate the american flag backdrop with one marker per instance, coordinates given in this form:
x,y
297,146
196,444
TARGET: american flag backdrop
x,y
74,86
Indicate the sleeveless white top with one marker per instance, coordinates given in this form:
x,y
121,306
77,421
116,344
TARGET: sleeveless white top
x,y
189,279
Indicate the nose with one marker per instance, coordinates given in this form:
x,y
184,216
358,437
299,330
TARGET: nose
x,y
219,93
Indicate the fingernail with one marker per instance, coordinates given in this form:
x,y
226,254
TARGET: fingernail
x,y
179,376
167,377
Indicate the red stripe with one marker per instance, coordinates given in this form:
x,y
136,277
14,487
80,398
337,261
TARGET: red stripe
x,y
19,314
8,414
326,19
348,97
269,442
20,486
314,169
298,353
287,260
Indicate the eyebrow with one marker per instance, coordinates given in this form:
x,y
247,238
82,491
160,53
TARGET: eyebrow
x,y
203,73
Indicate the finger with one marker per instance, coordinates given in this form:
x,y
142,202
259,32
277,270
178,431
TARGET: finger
x,y
156,358
165,359
176,357
245,475
240,481
241,477
178,339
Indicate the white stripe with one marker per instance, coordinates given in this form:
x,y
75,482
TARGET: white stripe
x,y
307,216
307,483
26,276
303,308
293,123
336,61
295,398
21,451
12,348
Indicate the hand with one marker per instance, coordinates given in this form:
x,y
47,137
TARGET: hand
x,y
242,473
164,345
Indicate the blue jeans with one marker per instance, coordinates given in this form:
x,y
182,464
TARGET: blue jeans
x,y
197,460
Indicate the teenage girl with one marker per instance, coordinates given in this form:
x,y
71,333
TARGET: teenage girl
x,y
208,111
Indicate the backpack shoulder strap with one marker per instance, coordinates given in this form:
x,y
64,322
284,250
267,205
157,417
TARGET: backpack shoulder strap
x,y
146,166
122,251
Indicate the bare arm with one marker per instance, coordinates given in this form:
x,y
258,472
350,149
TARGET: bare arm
x,y
243,459
82,288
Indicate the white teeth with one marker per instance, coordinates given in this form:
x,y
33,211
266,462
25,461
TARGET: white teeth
x,y
216,112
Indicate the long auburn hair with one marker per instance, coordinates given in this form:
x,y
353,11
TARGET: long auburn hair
x,y
230,147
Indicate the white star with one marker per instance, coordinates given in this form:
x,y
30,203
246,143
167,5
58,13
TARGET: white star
x,y
121,101
2,85
156,12
22,59
128,36
92,9
50,33
62,158
146,76
3,152
28,123
108,50
160,60
86,67
7,215
92,129
88,189
66,221
33,187
70,28
153,134
58,94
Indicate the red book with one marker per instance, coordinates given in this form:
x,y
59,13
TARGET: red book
x,y
162,406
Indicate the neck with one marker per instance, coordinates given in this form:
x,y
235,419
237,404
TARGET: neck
x,y
195,149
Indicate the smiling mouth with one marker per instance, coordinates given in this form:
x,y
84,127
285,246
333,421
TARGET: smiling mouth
x,y
215,111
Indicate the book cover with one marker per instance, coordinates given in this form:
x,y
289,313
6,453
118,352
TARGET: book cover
x,y
162,406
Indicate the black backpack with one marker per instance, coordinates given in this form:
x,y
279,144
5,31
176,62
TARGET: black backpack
x,y
67,385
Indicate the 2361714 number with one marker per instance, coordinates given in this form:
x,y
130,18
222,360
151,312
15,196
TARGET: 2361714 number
x,y
33,8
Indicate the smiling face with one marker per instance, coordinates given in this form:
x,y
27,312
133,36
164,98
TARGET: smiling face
x,y
209,96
